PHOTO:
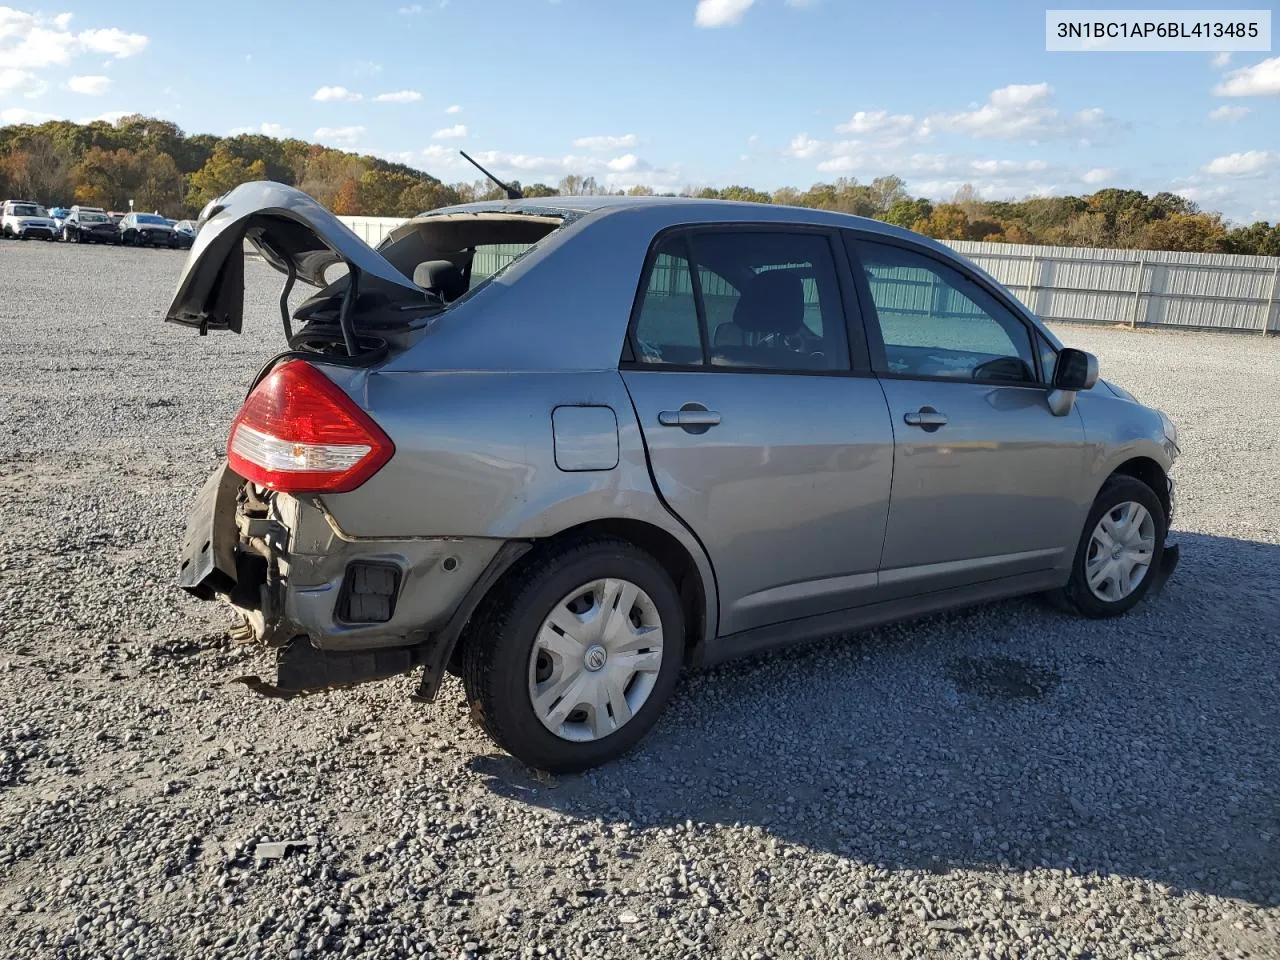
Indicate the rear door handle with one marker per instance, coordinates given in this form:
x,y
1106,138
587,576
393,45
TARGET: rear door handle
x,y
689,418
926,417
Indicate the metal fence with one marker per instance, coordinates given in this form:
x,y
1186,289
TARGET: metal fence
x,y
1135,288
372,230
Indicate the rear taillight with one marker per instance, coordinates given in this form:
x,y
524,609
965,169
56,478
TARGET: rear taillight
x,y
299,433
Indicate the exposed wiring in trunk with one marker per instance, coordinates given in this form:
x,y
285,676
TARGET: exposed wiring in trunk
x,y
348,304
284,299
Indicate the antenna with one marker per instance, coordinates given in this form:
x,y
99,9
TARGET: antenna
x,y
512,193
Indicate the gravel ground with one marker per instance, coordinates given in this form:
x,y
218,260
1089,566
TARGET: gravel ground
x,y
1004,782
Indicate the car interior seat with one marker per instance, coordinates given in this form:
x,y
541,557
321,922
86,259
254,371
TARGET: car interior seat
x,y
769,312
442,277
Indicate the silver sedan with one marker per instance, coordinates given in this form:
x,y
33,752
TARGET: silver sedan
x,y
567,447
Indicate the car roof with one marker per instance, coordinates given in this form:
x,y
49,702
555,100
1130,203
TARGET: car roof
x,y
685,210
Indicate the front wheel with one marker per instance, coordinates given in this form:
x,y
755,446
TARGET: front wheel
x,y
1118,559
569,664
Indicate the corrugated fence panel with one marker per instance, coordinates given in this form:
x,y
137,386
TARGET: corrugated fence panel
x,y
372,230
1153,288
1145,288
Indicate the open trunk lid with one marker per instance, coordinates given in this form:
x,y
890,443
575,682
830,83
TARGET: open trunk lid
x,y
294,234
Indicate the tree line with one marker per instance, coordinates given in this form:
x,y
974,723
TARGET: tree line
x,y
155,164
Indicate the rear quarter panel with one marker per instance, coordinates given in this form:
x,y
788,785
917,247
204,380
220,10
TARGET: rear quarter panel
x,y
475,457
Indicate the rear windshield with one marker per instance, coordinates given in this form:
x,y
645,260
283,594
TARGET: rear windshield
x,y
149,218
492,258
26,210
479,247
93,218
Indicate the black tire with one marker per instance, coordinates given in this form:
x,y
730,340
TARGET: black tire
x,y
1076,597
499,643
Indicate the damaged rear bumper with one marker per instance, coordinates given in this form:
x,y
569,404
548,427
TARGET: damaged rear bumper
x,y
338,609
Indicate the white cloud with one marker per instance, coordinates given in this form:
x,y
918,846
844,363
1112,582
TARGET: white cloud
x,y
326,94
1097,175
399,96
876,121
1242,164
34,41
111,116
720,13
1020,111
607,142
411,10
456,108
1262,79
803,146
38,48
626,163
23,115
1229,113
1220,60
842,164
342,135
90,86
456,132
115,42
276,130
23,82
995,167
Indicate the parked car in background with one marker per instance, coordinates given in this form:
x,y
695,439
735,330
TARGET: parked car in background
x,y
676,431
184,233
26,220
58,215
115,217
146,230
89,225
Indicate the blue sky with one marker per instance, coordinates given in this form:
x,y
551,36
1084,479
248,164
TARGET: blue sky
x,y
672,93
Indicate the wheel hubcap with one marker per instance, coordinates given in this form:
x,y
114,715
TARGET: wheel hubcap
x,y
595,660
1120,551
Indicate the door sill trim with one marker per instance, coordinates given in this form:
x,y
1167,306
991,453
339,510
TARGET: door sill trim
x,y
791,632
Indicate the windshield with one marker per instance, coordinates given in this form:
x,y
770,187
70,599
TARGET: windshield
x,y
150,218
27,210
93,218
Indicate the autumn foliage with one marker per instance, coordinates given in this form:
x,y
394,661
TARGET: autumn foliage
x,y
159,167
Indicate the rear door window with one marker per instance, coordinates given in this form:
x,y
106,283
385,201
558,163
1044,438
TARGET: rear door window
x,y
767,300
667,329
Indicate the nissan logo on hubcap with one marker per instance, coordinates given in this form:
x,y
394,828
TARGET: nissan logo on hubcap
x,y
595,657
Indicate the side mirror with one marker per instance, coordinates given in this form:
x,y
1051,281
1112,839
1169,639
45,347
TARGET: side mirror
x,y
1076,370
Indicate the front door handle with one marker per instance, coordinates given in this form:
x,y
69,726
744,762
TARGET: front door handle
x,y
926,418
689,418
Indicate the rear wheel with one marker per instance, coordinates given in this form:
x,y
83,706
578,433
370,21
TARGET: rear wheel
x,y
1118,558
569,664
